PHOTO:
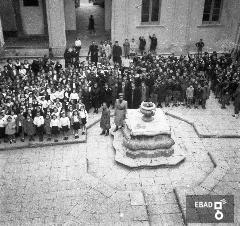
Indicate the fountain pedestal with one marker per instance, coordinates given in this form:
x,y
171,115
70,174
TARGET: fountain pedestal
x,y
146,143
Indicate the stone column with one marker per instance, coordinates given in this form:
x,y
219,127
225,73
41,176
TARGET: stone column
x,y
108,14
56,26
1,35
18,17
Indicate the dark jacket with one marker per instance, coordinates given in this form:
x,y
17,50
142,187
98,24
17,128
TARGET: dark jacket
x,y
142,44
117,51
134,99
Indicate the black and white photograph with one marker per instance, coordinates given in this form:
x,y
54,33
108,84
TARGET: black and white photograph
x,y
119,112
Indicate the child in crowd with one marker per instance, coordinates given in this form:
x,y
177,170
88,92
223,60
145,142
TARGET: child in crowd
x,y
39,123
47,127
65,125
55,126
2,126
84,116
10,129
29,128
19,125
76,123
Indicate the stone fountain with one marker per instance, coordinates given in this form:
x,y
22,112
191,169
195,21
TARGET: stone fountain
x,y
145,140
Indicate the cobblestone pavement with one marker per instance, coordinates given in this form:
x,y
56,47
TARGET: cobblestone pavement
x,y
80,184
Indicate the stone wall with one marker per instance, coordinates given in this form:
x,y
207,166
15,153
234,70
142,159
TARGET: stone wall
x,y
32,19
70,15
7,15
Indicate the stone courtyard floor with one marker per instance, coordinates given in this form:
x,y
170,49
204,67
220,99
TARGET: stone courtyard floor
x,y
81,184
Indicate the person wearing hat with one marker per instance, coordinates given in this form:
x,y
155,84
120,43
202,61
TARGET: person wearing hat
x,y
117,53
120,112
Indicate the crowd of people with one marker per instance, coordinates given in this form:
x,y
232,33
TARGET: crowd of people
x,y
43,97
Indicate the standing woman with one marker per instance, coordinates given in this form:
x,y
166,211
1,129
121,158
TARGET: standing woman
x,y
133,48
105,120
91,25
126,48
120,111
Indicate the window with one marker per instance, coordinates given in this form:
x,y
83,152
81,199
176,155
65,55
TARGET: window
x,y
30,3
212,11
150,11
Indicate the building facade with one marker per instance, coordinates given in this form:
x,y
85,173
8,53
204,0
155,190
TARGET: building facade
x,y
52,18
178,24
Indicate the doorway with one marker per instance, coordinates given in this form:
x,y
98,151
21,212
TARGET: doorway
x,y
83,12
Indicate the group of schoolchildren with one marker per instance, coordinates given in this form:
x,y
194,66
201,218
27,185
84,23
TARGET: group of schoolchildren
x,y
32,105
39,122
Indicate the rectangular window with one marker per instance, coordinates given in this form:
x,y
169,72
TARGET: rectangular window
x,y
150,11
145,10
30,3
212,11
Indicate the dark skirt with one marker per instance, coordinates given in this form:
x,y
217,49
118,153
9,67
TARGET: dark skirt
x,y
76,125
84,121
40,129
65,128
2,132
55,130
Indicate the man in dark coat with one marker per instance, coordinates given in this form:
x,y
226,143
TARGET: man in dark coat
x,y
117,53
68,56
144,92
134,99
93,52
95,94
200,46
107,95
124,88
153,44
86,98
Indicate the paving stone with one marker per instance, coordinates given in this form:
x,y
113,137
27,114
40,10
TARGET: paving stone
x,y
139,213
137,198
